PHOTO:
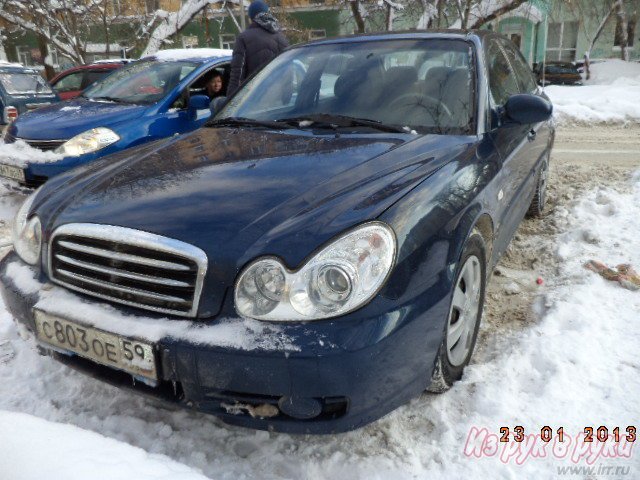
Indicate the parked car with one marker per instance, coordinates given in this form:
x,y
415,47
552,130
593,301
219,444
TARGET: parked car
x,y
21,90
70,83
153,98
307,261
558,73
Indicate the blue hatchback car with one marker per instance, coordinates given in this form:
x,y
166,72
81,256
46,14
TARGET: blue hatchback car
x,y
316,255
153,98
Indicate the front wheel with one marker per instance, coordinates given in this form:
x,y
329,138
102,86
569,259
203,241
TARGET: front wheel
x,y
539,199
465,313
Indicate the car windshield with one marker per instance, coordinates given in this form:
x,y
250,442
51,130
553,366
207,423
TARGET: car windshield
x,y
24,83
142,82
424,85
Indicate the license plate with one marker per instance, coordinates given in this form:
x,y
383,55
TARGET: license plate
x,y
102,347
11,171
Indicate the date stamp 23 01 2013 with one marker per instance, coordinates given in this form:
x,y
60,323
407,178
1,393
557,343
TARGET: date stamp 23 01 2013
x,y
517,445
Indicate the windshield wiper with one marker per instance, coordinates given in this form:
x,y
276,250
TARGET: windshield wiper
x,y
110,99
245,122
337,121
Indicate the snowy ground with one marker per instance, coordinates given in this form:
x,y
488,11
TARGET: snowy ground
x,y
612,95
563,354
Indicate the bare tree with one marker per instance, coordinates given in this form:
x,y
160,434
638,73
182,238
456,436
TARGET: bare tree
x,y
622,37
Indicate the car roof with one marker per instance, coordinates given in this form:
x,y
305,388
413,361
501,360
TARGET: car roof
x,y
189,54
479,35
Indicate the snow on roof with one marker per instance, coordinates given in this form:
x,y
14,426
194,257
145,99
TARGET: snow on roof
x,y
175,54
10,64
69,452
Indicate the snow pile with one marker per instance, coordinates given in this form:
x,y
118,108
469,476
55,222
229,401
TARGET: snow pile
x,y
20,154
612,95
576,367
34,448
176,54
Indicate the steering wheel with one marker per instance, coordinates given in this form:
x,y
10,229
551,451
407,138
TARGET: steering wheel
x,y
410,101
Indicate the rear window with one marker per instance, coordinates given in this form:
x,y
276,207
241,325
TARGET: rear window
x,y
23,83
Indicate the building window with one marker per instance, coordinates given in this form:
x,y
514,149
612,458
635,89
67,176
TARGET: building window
x,y
317,2
562,38
227,40
117,7
152,5
24,55
631,32
189,41
315,34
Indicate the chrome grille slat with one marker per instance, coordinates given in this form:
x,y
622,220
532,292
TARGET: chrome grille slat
x,y
125,257
142,293
123,273
45,145
128,266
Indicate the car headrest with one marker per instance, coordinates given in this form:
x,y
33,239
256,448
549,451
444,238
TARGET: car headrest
x,y
356,76
401,77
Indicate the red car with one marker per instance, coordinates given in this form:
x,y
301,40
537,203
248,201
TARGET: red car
x,y
70,83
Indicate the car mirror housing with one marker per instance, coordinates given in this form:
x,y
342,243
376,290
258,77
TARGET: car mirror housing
x,y
526,108
197,102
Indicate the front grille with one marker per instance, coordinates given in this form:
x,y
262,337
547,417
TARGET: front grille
x,y
44,145
128,266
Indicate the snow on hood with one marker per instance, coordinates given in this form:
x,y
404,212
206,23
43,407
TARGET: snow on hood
x,y
69,452
177,54
20,154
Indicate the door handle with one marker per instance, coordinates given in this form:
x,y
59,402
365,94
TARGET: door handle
x,y
531,136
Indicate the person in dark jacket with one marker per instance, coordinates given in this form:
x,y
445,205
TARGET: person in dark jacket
x,y
260,43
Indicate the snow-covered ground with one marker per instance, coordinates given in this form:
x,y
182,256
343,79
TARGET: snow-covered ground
x,y
575,366
612,95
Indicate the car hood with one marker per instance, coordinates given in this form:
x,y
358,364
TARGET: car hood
x,y
64,120
241,194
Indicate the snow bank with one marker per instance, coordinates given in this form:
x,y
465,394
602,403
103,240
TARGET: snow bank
x,y
175,54
33,448
612,95
20,154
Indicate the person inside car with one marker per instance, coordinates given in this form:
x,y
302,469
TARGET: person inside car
x,y
215,86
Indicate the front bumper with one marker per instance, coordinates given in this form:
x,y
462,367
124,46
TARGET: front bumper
x,y
332,376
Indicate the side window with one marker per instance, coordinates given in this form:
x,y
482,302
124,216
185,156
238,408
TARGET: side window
x,y
523,72
70,83
200,86
93,76
502,80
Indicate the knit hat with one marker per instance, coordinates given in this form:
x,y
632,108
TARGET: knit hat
x,y
256,7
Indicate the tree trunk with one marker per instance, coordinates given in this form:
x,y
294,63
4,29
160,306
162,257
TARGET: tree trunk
x,y
596,35
357,15
621,30
389,17
49,71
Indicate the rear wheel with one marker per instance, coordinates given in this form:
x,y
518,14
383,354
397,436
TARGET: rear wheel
x,y
540,194
465,312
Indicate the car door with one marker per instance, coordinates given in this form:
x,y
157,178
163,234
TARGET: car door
x,y
512,142
539,133
176,119
69,86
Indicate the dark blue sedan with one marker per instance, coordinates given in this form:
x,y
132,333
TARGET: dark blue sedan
x,y
316,255
154,98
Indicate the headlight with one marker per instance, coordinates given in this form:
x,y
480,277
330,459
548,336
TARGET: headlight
x,y
87,142
340,278
27,233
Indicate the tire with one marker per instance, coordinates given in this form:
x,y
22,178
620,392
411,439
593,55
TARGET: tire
x,y
464,316
539,200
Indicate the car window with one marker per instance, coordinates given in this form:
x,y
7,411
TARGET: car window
x,y
143,82
502,80
69,83
522,70
22,83
92,76
378,81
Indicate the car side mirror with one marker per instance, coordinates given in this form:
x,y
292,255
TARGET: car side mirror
x,y
525,109
216,104
197,102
